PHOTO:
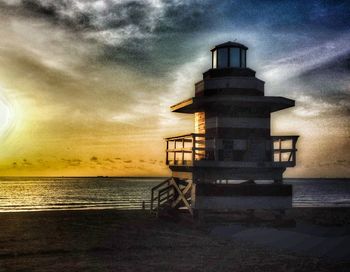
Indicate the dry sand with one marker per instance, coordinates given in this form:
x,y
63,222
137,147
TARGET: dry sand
x,y
111,240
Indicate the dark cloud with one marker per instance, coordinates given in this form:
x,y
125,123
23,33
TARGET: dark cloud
x,y
129,13
154,39
85,17
72,162
56,12
338,66
324,164
287,15
341,163
329,83
94,159
147,18
26,163
188,16
109,160
344,163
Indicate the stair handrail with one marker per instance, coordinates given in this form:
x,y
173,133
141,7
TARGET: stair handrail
x,y
154,198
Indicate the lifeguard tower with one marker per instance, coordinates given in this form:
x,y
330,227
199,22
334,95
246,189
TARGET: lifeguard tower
x,y
219,166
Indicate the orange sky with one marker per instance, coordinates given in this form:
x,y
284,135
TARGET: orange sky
x,y
77,101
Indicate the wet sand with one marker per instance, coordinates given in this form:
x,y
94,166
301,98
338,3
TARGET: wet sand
x,y
111,240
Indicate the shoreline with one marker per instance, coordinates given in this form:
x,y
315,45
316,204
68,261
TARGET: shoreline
x,y
147,209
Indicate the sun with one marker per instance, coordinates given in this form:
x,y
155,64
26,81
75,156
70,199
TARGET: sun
x,y
6,117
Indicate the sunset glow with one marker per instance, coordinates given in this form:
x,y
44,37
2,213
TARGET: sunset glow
x,y
85,87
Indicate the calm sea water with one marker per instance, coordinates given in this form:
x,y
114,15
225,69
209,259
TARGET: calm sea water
x,y
27,194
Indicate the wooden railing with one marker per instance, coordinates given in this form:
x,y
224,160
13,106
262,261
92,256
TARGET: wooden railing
x,y
161,194
184,149
172,193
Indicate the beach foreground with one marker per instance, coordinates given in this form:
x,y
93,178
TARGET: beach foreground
x,y
111,240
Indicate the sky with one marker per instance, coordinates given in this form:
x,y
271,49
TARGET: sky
x,y
86,85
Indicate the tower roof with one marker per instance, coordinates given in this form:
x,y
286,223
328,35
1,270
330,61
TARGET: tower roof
x,y
198,104
230,44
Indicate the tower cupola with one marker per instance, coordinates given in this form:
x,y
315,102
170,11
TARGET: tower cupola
x,y
229,55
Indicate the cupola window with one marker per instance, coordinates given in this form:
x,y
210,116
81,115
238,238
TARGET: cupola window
x,y
229,55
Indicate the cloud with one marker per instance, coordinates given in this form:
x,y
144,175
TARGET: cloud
x,y
336,163
109,22
26,163
139,34
72,162
153,36
316,77
101,74
302,61
344,163
108,160
324,90
310,106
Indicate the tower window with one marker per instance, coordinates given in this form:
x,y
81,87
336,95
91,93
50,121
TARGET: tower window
x,y
229,55
234,57
243,58
215,59
222,58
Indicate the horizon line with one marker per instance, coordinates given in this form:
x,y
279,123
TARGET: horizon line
x,y
106,176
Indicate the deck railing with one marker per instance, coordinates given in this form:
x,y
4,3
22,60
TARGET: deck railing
x,y
184,150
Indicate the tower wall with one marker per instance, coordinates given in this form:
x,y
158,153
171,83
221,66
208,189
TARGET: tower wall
x,y
199,122
230,85
236,133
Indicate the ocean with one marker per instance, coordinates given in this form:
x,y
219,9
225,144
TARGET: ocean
x,y
48,193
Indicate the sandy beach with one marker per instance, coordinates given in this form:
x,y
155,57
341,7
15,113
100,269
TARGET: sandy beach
x,y
110,240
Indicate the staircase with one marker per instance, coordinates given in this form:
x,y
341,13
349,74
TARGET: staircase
x,y
173,194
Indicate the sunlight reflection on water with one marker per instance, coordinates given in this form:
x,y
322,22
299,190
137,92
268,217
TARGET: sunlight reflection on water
x,y
27,194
